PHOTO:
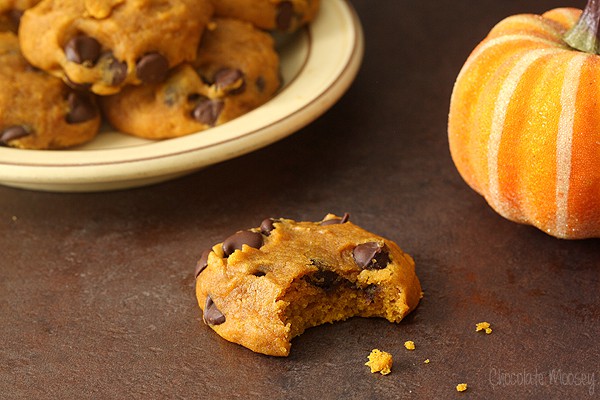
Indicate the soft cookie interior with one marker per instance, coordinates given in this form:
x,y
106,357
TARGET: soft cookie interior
x,y
326,296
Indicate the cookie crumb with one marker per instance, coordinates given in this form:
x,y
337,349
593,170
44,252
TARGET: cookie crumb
x,y
483,326
380,361
426,361
409,344
461,387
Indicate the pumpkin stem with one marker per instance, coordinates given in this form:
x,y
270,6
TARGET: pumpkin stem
x,y
585,34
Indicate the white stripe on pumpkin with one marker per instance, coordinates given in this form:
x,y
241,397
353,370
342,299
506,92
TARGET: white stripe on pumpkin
x,y
498,119
564,141
518,38
536,22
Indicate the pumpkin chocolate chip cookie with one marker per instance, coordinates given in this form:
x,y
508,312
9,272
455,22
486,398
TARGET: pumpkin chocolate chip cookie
x,y
235,71
37,110
279,15
263,286
104,45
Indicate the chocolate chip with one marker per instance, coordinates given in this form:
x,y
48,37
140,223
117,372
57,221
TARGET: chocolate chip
x,y
212,315
228,79
336,221
324,279
259,273
235,241
267,226
202,262
207,112
83,50
117,71
285,13
12,133
152,68
371,255
81,107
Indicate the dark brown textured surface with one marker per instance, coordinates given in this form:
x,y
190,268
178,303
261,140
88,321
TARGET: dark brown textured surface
x,y
96,290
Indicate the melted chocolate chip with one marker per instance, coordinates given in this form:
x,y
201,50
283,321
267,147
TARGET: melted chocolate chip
x,y
235,241
212,315
152,68
12,133
81,107
207,112
83,50
202,262
371,255
228,79
324,279
266,226
117,71
336,221
285,14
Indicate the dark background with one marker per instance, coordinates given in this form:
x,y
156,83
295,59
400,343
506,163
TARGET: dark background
x,y
96,290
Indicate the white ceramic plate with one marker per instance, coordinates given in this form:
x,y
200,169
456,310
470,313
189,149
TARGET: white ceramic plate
x,y
318,65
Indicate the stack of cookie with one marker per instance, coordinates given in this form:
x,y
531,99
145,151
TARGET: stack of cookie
x,y
153,68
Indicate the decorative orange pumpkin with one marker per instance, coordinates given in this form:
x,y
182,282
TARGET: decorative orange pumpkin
x,y
524,121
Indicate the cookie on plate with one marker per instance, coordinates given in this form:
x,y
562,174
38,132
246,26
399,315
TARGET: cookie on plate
x,y
37,110
263,286
276,15
11,12
104,45
235,71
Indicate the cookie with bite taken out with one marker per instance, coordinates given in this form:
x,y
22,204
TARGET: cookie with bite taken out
x,y
263,286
